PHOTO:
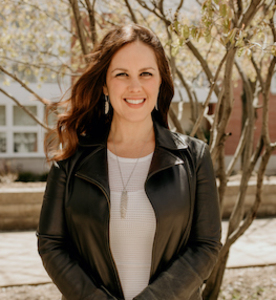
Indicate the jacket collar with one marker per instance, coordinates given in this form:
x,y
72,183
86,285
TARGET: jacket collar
x,y
94,166
164,138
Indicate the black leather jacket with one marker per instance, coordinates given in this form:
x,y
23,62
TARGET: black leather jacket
x,y
73,233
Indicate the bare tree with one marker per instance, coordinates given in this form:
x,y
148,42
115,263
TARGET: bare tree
x,y
223,45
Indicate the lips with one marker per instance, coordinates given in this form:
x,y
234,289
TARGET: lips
x,y
135,101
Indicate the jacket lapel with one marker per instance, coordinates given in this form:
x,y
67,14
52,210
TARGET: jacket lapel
x,y
94,167
166,143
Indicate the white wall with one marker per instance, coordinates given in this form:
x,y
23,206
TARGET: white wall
x,y
29,161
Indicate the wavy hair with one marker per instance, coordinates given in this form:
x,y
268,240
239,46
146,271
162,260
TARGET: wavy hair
x,y
84,109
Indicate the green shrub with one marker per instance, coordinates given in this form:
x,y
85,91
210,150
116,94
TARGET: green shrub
x,y
31,177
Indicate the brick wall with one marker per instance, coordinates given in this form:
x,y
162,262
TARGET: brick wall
x,y
234,125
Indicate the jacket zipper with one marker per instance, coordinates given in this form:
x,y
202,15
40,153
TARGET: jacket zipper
x,y
109,252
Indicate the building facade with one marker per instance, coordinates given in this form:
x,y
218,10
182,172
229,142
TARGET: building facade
x,y
21,137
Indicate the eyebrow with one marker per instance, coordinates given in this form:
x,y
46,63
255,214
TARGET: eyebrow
x,y
122,69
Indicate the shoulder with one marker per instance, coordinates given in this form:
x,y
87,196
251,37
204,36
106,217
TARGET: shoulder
x,y
196,150
192,143
68,164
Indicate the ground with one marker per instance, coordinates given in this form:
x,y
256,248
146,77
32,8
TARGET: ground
x,y
257,283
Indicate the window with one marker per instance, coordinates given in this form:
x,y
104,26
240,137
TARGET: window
x,y
2,115
21,118
3,142
25,142
52,118
20,135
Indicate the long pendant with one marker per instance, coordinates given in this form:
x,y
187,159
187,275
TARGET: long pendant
x,y
123,204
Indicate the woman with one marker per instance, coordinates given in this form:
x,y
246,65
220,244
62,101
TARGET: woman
x,y
130,209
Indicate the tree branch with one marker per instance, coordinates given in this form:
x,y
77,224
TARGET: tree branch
x,y
225,109
204,65
25,109
250,216
251,11
193,102
49,16
133,17
270,75
80,27
240,8
175,121
91,14
44,101
144,5
187,87
272,25
250,115
258,72
221,176
178,9
213,86
239,149
41,66
214,127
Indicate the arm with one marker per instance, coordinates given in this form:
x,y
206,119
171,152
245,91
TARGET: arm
x,y
184,277
53,244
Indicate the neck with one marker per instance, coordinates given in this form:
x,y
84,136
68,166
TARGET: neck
x,y
131,139
128,132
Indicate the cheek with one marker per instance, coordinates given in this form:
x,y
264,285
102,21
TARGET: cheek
x,y
153,86
116,86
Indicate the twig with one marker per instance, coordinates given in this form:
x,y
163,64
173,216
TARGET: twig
x,y
213,85
252,213
44,101
175,121
239,149
133,17
203,63
178,9
91,14
25,109
80,28
41,66
51,17
251,11
144,5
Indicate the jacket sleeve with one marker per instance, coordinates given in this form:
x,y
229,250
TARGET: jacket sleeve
x,y
54,248
184,277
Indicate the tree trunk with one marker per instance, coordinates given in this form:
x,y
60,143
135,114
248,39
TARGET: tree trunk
x,y
213,284
244,118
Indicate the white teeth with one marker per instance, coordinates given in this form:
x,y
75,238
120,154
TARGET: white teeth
x,y
134,101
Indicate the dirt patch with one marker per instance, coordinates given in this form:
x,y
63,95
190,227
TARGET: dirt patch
x,y
249,283
239,284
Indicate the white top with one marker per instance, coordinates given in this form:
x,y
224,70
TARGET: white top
x,y
131,238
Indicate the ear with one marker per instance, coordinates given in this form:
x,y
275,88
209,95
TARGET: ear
x,y
105,91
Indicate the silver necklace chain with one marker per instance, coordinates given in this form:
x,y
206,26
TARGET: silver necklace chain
x,y
124,195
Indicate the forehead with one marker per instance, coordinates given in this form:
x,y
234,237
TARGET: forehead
x,y
134,54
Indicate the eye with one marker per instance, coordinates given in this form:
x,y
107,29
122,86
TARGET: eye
x,y
121,75
146,74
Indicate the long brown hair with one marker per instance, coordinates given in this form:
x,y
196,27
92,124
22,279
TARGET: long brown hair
x,y
85,107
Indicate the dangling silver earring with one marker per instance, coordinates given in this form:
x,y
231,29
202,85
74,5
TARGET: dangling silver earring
x,y
156,105
106,105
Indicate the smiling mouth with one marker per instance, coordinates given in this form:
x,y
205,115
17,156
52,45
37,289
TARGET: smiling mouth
x,y
135,101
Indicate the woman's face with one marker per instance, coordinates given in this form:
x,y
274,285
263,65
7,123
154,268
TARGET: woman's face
x,y
132,82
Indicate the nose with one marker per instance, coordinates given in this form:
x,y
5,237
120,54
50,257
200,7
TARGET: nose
x,y
134,85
